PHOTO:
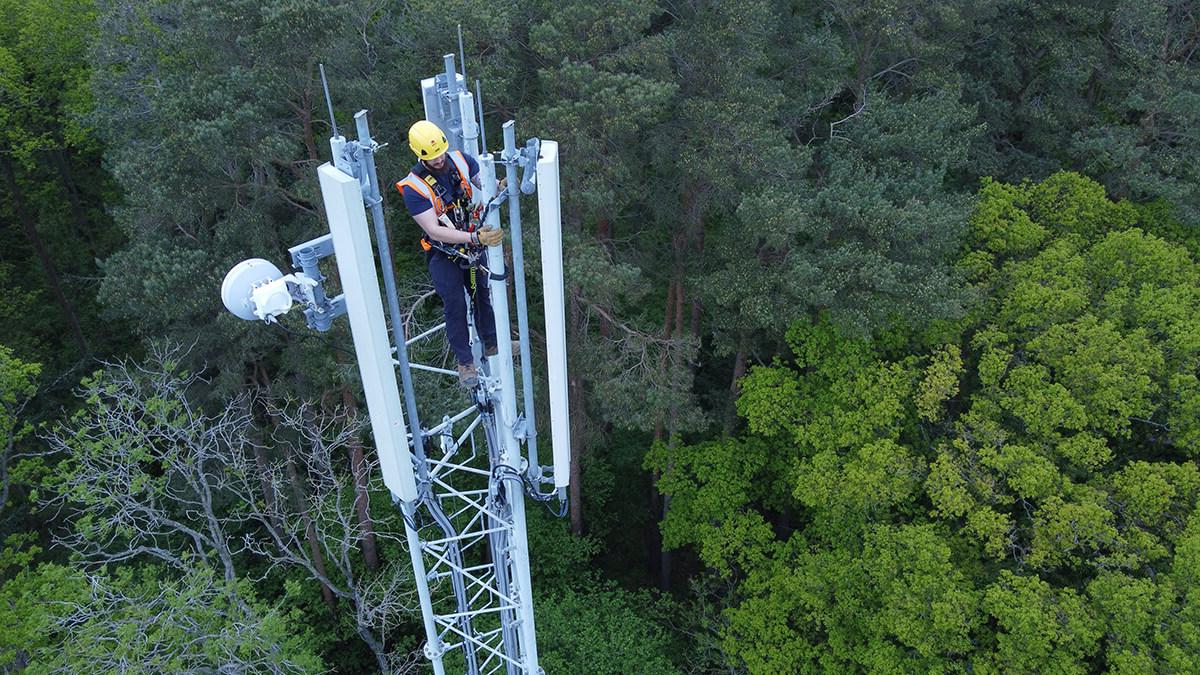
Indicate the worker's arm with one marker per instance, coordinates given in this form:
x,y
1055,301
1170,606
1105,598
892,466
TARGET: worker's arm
x,y
439,232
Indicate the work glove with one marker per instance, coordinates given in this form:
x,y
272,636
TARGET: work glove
x,y
490,236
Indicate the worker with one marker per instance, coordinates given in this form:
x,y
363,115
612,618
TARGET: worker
x,y
440,194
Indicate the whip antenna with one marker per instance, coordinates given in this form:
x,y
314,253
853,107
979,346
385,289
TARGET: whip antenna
x,y
482,126
462,56
328,101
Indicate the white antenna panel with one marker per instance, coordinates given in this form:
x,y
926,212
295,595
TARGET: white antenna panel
x,y
550,229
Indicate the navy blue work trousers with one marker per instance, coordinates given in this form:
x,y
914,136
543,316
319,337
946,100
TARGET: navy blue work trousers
x,y
450,281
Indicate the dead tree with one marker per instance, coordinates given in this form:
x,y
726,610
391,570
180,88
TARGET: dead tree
x,y
312,441
143,472
143,469
190,624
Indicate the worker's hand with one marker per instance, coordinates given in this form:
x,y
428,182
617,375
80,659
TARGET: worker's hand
x,y
502,185
490,236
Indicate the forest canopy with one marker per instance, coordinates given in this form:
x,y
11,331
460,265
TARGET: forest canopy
x,y
883,326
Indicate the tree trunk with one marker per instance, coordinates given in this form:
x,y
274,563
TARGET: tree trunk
x,y
696,307
735,388
304,108
270,499
5,453
82,227
665,557
604,236
668,313
664,561
578,411
657,502
604,231
310,529
264,471
377,649
362,498
39,248
680,303
576,477
301,504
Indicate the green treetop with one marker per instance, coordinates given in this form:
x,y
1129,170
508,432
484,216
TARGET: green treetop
x,y
1015,492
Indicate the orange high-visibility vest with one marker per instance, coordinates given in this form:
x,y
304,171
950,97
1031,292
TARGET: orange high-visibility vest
x,y
425,189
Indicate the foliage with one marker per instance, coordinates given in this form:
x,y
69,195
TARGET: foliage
x,y
1034,475
1105,88
213,114
18,384
56,190
918,395
148,475
139,620
603,631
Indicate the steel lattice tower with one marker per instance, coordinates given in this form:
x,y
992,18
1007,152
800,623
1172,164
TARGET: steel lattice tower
x,y
460,475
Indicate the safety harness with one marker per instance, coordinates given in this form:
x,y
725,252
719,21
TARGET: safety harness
x,y
453,208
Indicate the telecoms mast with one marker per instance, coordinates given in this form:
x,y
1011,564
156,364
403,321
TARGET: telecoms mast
x,y
459,475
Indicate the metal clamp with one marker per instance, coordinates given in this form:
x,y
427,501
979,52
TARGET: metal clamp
x,y
320,310
520,428
435,652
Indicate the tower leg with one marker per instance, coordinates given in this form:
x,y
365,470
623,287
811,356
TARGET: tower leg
x,y
510,449
433,643
499,543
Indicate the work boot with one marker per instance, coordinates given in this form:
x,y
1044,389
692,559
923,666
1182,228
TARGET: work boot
x,y
467,377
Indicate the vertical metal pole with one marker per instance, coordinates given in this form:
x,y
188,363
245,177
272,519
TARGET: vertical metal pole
x,y
520,556
511,455
451,76
482,127
457,584
501,365
514,223
307,260
502,362
462,55
337,143
328,101
470,129
498,540
375,202
433,643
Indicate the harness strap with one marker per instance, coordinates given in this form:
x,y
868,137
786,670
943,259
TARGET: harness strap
x,y
413,182
425,188
421,187
464,172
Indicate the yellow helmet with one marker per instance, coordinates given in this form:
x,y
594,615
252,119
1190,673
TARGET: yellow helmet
x,y
427,140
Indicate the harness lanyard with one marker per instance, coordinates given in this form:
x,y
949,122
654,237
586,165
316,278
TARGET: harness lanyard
x,y
471,216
